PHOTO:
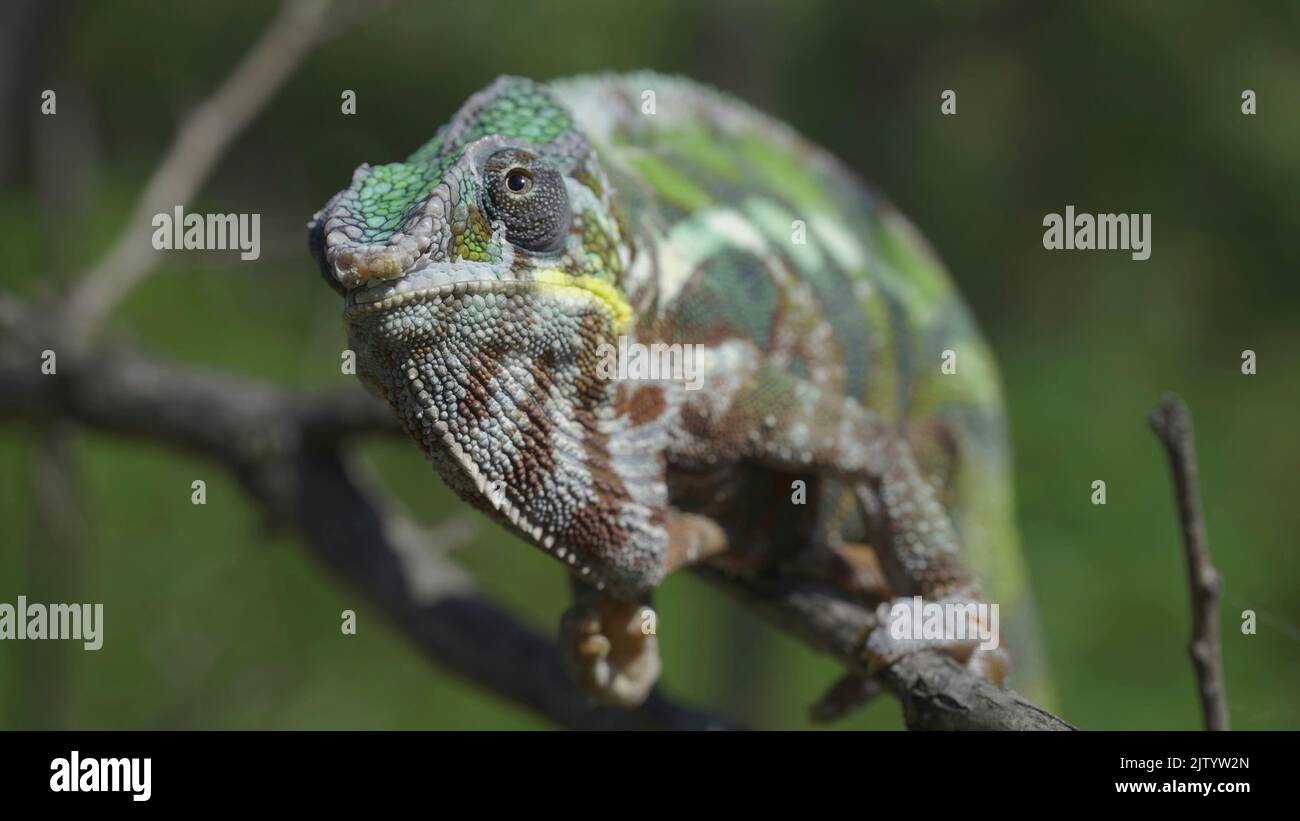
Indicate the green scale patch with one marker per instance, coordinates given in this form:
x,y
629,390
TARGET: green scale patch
x,y
732,294
693,166
390,192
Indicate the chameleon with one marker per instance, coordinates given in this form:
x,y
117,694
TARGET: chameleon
x,y
847,424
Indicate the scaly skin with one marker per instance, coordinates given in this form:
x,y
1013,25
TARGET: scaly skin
x,y
482,275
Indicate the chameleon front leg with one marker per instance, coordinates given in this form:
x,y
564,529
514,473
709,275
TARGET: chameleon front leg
x,y
608,641
606,647
952,587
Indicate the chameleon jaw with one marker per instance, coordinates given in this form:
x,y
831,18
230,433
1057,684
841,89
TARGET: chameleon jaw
x,y
419,286
380,311
496,497
394,294
413,314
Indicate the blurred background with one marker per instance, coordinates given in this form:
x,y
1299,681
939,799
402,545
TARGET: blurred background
x,y
1108,106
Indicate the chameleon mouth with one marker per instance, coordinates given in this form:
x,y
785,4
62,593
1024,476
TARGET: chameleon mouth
x,y
432,282
424,284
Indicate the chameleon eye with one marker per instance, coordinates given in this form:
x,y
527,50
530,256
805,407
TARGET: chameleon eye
x,y
528,196
519,181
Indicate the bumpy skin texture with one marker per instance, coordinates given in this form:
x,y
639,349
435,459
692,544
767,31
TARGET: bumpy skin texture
x,y
482,274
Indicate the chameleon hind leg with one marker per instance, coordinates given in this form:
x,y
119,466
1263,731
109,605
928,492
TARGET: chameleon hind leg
x,y
786,423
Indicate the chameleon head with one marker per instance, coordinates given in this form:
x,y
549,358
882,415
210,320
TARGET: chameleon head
x,y
481,276
509,193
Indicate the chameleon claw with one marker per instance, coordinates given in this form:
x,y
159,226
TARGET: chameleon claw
x,y
596,647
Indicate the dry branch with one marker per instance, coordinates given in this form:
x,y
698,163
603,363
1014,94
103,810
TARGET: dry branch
x,y
284,448
1172,422
935,691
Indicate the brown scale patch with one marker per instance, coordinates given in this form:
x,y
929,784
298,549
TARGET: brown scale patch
x,y
520,260
593,534
595,446
935,448
608,486
535,458
646,404
594,329
474,405
621,395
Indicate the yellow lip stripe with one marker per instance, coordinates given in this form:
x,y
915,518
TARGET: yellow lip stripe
x,y
591,286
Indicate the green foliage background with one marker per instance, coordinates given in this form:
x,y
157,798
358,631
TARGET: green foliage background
x,y
214,622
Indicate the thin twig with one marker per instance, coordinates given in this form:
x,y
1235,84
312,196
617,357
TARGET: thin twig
x,y
1172,422
202,138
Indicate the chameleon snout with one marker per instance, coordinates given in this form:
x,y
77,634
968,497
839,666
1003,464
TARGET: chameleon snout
x,y
357,251
355,267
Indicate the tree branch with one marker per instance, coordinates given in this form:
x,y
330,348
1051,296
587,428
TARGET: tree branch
x,y
935,691
283,447
1172,423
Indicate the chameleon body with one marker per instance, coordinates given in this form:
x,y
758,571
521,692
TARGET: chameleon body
x,y
488,275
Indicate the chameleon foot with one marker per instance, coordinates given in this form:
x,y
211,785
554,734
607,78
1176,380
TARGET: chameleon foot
x,y
961,627
608,651
900,629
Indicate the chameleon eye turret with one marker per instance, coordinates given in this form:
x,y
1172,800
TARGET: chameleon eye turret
x,y
527,195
